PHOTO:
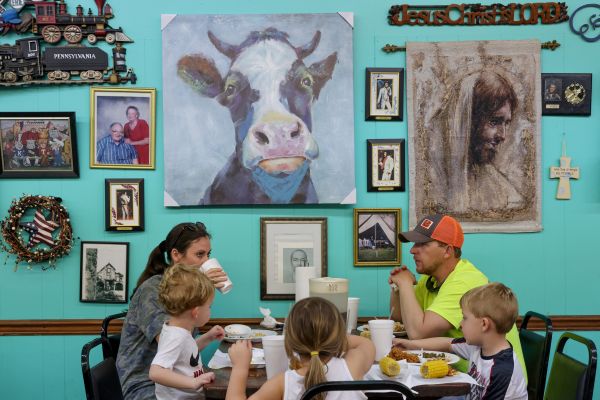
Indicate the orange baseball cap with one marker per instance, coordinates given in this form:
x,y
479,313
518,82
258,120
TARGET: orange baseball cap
x,y
438,227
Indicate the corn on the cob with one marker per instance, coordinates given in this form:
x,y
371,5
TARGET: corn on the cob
x,y
434,369
366,334
389,366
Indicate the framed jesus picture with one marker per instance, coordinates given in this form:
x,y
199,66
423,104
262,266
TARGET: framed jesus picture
x,y
385,165
384,88
124,204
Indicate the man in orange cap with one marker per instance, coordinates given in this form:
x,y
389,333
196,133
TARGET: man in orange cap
x,y
431,306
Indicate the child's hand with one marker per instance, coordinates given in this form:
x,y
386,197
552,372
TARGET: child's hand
x,y
203,379
241,353
401,343
216,333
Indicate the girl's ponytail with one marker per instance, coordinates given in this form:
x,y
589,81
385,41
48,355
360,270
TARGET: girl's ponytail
x,y
315,374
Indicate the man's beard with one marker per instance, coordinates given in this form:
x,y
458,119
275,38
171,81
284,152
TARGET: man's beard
x,y
483,152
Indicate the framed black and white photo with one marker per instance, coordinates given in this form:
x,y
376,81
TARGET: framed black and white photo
x,y
104,272
383,94
287,243
376,236
124,202
567,94
385,165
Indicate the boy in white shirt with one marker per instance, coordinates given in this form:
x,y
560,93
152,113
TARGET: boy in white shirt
x,y
489,312
186,294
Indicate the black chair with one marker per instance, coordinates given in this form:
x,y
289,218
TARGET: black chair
x,y
101,381
110,345
358,385
569,378
536,352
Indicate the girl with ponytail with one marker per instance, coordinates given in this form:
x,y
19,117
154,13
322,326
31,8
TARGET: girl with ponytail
x,y
319,350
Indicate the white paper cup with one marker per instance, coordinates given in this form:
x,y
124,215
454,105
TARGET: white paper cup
x,y
382,332
352,315
213,263
276,360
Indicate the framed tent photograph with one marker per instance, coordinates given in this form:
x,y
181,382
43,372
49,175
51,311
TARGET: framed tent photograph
x,y
104,272
376,236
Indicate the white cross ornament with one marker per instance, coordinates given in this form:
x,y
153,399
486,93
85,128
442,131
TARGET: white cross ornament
x,y
564,173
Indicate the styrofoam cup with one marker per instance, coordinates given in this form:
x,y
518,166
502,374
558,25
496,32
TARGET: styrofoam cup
x,y
276,360
382,332
213,263
352,315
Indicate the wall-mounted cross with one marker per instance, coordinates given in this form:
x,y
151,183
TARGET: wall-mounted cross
x,y
564,173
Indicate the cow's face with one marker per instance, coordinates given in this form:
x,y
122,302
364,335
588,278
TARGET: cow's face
x,y
269,92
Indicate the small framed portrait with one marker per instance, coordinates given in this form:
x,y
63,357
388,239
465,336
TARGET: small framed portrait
x,y
104,272
376,236
124,202
384,92
567,94
385,165
122,128
38,145
285,244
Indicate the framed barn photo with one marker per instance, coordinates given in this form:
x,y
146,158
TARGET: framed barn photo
x,y
104,272
385,165
567,94
38,145
122,128
384,93
287,243
376,236
124,202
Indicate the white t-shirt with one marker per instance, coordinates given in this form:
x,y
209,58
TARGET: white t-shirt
x,y
500,375
337,370
178,351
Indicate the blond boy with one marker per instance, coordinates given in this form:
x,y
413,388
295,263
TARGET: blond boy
x,y
489,312
186,294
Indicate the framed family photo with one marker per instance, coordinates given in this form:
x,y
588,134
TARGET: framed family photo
x,y
376,236
567,94
384,92
124,201
122,128
385,165
104,272
38,145
285,244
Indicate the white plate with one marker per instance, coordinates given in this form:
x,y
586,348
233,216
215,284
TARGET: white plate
x,y
450,358
366,328
256,335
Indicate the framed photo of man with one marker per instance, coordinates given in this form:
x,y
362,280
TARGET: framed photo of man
x,y
124,204
376,236
385,165
383,94
104,272
122,128
287,244
567,94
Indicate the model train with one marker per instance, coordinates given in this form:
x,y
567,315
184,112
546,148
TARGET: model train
x,y
25,61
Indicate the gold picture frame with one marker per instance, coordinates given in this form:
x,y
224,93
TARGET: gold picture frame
x,y
376,236
133,113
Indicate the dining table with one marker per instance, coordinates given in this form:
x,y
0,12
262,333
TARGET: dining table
x,y
217,389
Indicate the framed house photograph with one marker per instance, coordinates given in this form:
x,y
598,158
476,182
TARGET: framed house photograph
x,y
383,94
567,94
385,165
104,272
38,145
376,236
122,128
287,243
124,202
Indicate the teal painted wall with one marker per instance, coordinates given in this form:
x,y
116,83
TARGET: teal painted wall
x,y
553,272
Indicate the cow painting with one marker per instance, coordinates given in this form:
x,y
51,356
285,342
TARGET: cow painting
x,y
268,89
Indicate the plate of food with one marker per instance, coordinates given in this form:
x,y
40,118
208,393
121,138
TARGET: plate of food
x,y
255,335
418,357
398,329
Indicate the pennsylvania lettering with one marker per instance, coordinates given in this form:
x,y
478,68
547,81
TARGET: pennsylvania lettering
x,y
83,56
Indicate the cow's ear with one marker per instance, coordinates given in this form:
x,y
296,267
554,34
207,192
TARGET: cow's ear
x,y
321,72
200,73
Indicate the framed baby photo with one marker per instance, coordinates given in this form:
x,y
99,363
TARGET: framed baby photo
x,y
383,94
124,202
376,240
385,165
122,128
285,244
104,272
38,145
567,94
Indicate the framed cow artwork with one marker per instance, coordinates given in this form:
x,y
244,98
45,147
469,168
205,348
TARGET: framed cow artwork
x,y
258,109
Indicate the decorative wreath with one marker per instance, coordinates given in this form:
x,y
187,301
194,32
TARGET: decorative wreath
x,y
41,246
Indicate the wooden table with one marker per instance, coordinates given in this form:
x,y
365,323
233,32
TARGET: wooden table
x,y
257,377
